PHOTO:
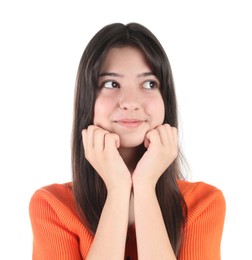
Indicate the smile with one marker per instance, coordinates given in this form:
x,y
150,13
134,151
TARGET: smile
x,y
130,123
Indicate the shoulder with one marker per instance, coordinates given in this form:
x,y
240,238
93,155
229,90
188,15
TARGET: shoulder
x,y
57,228
205,220
56,190
53,195
198,189
203,199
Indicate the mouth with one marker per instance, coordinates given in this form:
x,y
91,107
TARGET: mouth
x,y
129,123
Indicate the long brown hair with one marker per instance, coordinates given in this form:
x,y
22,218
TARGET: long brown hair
x,y
88,187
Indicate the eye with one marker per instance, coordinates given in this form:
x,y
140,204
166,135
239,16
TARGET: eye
x,y
110,84
150,84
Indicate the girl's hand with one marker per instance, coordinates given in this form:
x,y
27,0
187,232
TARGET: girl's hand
x,y
162,149
100,149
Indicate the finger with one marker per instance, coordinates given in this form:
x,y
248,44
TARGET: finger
x,y
87,139
174,142
146,142
98,139
84,138
175,134
112,141
90,135
152,137
165,134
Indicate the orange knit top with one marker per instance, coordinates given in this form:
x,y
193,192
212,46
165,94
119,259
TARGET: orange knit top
x,y
59,234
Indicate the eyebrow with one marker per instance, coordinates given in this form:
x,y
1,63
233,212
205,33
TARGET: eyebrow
x,y
104,74
113,74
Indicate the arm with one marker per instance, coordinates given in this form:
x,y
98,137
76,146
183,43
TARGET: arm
x,y
152,238
203,230
110,238
101,151
52,238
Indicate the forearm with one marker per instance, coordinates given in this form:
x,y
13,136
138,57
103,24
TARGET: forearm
x,y
152,239
110,238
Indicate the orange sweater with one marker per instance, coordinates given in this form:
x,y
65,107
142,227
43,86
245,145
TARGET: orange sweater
x,y
59,234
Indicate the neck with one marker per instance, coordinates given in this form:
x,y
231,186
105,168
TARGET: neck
x,y
131,156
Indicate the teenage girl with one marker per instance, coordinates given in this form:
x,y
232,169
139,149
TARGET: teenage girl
x,y
128,198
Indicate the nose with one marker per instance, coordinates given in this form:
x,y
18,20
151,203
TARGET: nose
x,y
129,99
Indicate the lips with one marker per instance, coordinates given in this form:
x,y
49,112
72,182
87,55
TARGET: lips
x,y
130,123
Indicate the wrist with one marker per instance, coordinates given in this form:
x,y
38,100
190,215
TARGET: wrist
x,y
120,190
143,181
144,186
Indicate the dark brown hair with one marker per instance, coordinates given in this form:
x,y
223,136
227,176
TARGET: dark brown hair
x,y
88,187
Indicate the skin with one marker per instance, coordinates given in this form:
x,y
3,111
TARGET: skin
x,y
130,148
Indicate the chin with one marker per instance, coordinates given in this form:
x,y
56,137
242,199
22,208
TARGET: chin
x,y
130,143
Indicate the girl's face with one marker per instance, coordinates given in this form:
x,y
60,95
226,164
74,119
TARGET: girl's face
x,y
129,102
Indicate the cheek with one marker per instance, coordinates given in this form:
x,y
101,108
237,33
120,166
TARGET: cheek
x,y
97,113
102,110
161,115
158,111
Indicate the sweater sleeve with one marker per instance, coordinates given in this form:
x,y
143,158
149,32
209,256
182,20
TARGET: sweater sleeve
x,y
204,227
50,220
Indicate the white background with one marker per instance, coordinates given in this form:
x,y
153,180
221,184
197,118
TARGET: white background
x,y
209,47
